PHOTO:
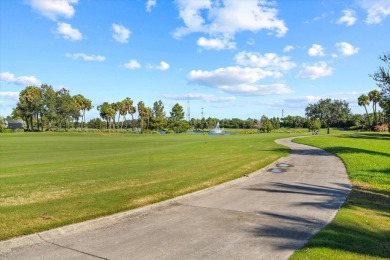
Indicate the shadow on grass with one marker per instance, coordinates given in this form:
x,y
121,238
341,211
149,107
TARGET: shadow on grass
x,y
351,150
378,136
353,235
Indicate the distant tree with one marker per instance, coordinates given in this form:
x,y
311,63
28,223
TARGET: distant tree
x,y
128,102
177,113
176,119
314,124
123,111
265,125
66,108
29,106
375,97
106,113
364,101
382,76
328,111
49,104
142,113
95,123
158,120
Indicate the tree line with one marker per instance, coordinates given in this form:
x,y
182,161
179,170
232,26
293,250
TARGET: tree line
x,y
44,108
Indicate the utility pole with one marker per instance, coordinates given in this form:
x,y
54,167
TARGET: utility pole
x,y
202,113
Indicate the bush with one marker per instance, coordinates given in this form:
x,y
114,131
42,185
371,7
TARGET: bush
x,y
381,128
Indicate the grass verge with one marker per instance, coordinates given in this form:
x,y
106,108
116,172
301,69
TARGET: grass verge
x,y
53,179
361,229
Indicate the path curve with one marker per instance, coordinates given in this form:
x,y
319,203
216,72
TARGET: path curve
x,y
267,215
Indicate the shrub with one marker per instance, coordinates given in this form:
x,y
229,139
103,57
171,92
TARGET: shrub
x,y
381,128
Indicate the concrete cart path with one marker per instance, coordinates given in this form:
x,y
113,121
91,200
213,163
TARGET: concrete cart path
x,y
267,215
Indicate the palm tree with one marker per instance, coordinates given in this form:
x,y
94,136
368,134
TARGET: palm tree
x,y
123,111
106,113
130,108
375,97
364,101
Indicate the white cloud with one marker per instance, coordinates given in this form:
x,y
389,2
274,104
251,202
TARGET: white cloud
x,y
223,19
68,33
237,80
85,57
349,18
346,49
163,66
132,64
257,90
218,44
315,71
316,50
11,95
228,76
203,97
121,34
288,48
23,80
377,10
269,60
53,9
150,4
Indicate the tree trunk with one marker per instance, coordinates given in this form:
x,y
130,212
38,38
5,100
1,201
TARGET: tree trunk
x,y
368,123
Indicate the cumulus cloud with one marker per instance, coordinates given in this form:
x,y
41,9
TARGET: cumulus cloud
x,y
198,96
346,49
316,50
68,32
53,9
288,48
269,60
218,44
237,80
150,4
11,95
132,64
85,57
223,19
162,66
121,34
228,76
315,71
377,10
349,18
22,80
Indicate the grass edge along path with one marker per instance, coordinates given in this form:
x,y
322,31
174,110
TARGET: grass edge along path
x,y
361,228
49,180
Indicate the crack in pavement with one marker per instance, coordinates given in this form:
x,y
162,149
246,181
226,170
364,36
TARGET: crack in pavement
x,y
84,253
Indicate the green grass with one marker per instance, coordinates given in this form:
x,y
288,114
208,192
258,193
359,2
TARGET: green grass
x,y
53,179
361,229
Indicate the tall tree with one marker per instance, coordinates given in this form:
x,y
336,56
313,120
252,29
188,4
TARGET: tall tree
x,y
177,113
130,109
141,113
364,101
30,100
106,113
375,97
158,120
382,76
328,111
49,104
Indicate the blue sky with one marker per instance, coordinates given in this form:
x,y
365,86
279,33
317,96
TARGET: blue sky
x,y
232,58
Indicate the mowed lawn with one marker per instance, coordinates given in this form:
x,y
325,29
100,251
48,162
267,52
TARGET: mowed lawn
x,y
52,179
361,229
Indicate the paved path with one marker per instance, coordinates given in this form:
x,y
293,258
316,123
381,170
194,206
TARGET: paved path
x,y
266,215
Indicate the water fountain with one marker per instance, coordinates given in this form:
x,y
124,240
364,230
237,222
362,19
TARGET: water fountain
x,y
217,130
